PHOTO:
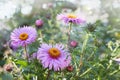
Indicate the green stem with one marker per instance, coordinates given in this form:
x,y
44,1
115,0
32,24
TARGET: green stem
x,y
82,52
25,53
114,72
84,46
41,34
69,30
115,49
84,43
88,70
90,56
99,78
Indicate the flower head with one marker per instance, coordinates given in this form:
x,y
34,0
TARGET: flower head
x,y
70,18
23,36
54,56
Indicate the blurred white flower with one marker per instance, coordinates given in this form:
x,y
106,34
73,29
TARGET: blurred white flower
x,y
91,4
116,4
64,79
7,9
26,10
44,6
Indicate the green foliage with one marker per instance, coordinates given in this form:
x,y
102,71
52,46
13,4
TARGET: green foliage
x,y
92,59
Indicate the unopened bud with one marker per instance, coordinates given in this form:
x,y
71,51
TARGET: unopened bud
x,y
70,68
73,43
39,23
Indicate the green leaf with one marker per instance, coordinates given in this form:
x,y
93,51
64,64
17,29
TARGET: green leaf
x,y
22,63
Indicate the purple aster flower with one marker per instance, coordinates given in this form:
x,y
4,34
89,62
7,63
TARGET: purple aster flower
x,y
67,18
23,36
54,57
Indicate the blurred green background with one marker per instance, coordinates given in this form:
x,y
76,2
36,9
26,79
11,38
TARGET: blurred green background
x,y
102,26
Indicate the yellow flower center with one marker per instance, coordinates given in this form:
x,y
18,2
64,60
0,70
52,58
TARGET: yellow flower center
x,y
23,36
54,52
71,16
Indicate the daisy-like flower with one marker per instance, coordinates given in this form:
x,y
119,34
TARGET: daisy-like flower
x,y
54,57
70,18
23,36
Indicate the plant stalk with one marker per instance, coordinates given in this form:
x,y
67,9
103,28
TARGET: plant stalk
x,y
69,31
25,52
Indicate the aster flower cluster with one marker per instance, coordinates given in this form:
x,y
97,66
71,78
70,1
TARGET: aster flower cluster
x,y
45,51
54,57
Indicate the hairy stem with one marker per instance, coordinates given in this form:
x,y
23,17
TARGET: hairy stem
x,y
25,52
82,52
85,43
88,70
69,30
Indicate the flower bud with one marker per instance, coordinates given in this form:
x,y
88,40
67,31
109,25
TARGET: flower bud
x,y
91,27
48,16
73,43
8,67
70,68
39,23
